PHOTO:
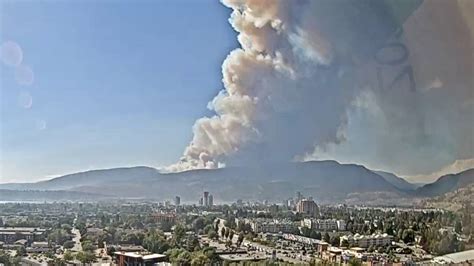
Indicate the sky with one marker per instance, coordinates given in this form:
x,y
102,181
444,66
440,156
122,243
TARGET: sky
x,y
114,83
186,84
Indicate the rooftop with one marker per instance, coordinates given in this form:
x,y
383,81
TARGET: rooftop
x,y
457,257
141,255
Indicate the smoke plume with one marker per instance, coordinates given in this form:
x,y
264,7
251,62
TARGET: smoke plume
x,y
303,85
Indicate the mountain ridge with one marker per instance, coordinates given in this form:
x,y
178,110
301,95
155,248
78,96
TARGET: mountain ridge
x,y
324,180
447,183
396,180
253,182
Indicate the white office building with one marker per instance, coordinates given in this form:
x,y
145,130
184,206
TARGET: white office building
x,y
324,224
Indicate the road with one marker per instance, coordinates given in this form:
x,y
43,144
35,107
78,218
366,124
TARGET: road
x,y
77,237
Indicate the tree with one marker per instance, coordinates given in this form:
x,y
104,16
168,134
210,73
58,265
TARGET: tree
x,y
88,246
4,257
200,259
58,236
335,241
192,243
68,244
371,249
85,257
184,258
210,252
173,254
21,251
156,242
408,236
208,228
458,227
223,232
240,239
327,238
57,262
212,234
354,262
216,225
68,256
178,234
166,226
345,243
198,224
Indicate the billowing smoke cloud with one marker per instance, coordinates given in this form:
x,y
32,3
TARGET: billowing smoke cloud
x,y
419,130
278,97
304,85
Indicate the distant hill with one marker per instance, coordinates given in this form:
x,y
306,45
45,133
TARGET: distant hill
x,y
89,178
36,195
397,181
454,200
447,183
324,180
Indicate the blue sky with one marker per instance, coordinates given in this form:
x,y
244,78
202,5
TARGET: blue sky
x,y
115,83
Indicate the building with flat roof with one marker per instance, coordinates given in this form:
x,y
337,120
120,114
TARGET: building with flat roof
x,y
177,201
365,241
138,259
272,225
206,198
9,235
463,258
324,224
307,206
160,217
211,201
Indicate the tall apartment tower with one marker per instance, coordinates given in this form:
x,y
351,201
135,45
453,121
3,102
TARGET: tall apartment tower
x,y
206,198
211,200
308,207
299,197
177,201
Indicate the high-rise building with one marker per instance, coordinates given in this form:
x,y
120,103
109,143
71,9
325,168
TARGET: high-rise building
x,y
285,203
307,206
211,200
299,196
177,201
206,198
200,202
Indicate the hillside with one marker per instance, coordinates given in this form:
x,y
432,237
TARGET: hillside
x,y
324,180
399,182
57,195
447,183
454,200
89,178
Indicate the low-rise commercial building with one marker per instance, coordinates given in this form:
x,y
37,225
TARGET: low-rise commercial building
x,y
135,258
324,224
466,257
365,241
9,235
272,225
169,218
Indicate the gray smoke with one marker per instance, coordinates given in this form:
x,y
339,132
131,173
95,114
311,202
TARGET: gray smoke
x,y
302,87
